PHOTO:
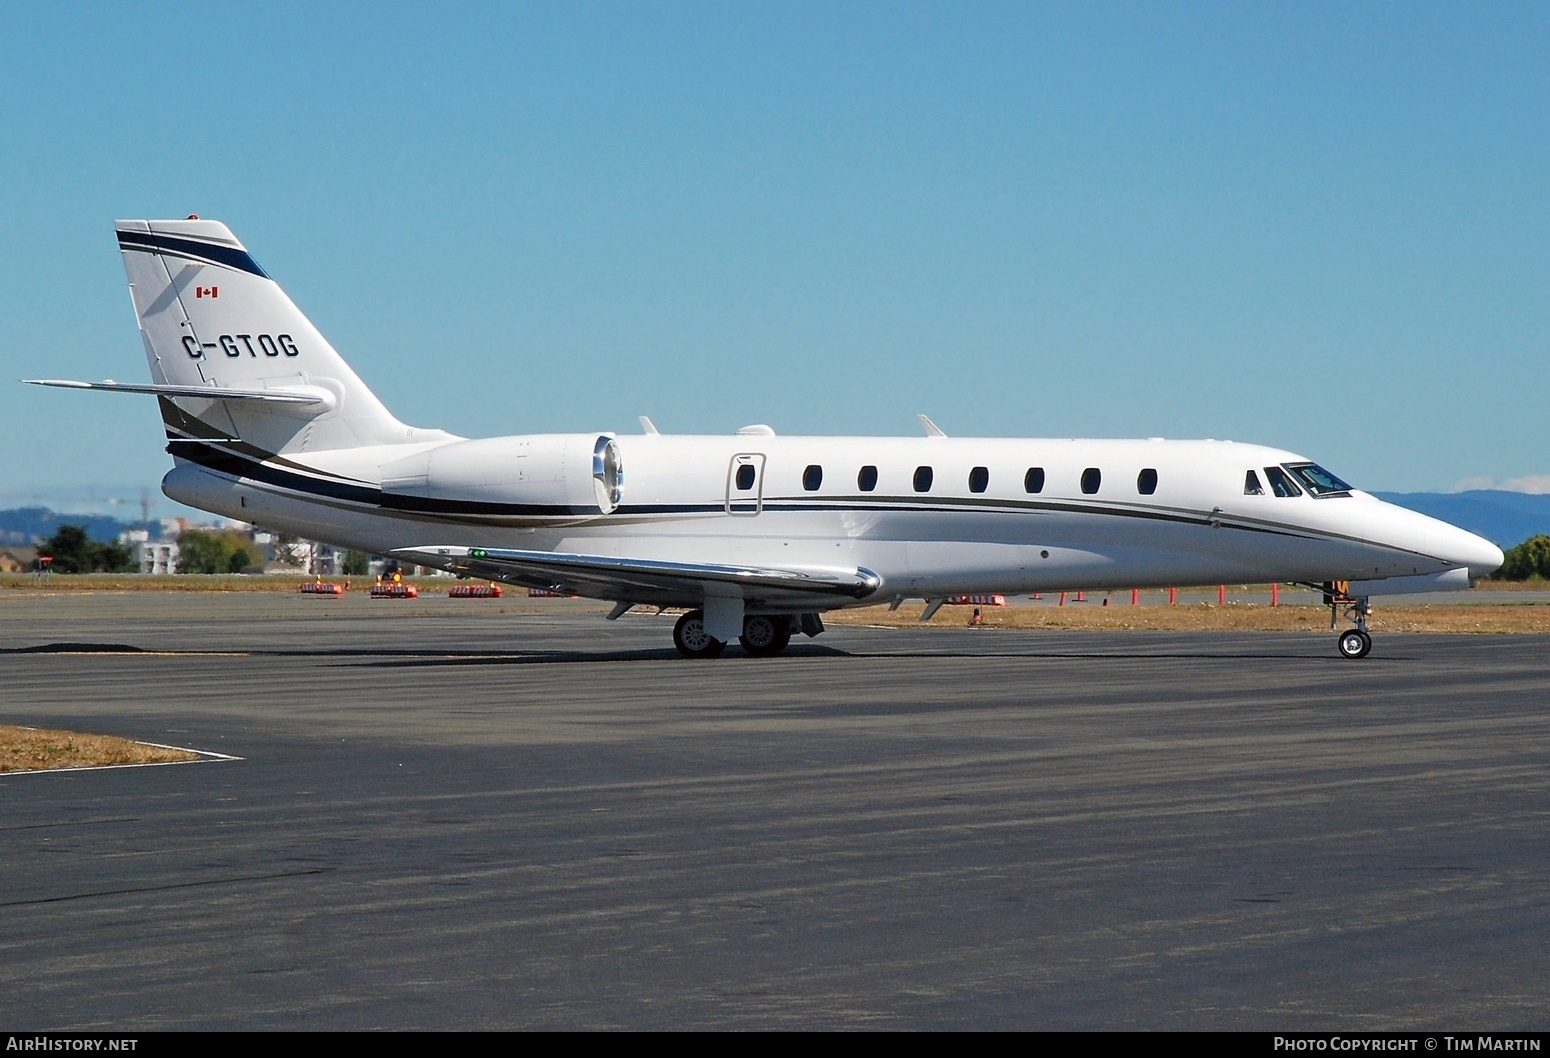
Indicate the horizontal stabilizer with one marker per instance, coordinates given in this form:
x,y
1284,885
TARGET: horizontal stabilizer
x,y
315,395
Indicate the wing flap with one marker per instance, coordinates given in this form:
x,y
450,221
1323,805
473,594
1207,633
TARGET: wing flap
x,y
645,580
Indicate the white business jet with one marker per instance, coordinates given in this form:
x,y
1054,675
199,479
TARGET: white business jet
x,y
754,534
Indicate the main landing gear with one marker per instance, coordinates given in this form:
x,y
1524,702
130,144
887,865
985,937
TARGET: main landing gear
x,y
763,636
1353,642
691,639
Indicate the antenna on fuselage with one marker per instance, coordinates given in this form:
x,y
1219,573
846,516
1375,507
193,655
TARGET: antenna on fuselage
x,y
648,427
931,428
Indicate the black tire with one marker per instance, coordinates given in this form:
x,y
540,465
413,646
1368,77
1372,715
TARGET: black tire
x,y
764,637
691,639
1354,643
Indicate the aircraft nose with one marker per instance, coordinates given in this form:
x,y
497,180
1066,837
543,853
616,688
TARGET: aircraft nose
x,y
1479,554
1429,536
1463,548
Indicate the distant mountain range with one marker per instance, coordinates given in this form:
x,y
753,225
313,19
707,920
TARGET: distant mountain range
x,y
1504,518
28,526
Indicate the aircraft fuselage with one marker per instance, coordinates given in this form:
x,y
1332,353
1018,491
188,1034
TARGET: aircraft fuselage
x,y
930,516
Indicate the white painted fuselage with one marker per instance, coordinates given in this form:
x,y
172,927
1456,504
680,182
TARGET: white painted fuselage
x,y
680,502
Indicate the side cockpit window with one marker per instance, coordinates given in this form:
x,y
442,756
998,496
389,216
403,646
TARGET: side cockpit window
x,y
1251,485
1280,482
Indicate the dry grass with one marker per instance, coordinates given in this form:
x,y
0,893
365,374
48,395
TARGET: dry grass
x,y
1532,584
191,582
29,749
1527,619
1501,615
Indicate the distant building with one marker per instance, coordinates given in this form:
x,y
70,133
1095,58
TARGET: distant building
x,y
158,556
327,560
152,556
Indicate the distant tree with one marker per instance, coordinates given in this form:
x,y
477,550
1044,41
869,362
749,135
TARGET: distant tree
x,y
200,551
1529,559
356,563
116,558
75,552
71,549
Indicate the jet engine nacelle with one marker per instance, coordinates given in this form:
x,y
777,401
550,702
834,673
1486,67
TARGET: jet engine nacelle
x,y
547,474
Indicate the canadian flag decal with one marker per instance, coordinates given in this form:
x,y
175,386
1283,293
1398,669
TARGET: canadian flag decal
x,y
206,292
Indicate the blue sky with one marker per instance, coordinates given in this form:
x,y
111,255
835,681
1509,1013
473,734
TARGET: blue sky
x,y
1319,226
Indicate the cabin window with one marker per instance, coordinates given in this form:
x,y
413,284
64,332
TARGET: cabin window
x,y
1281,483
745,476
1033,481
866,481
1317,480
923,477
1146,482
1251,485
979,479
812,477
1092,477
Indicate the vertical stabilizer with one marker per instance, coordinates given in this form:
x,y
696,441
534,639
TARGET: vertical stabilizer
x,y
210,316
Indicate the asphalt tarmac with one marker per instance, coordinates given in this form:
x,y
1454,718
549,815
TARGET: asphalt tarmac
x,y
448,816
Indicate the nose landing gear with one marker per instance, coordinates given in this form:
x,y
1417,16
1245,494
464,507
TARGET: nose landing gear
x,y
1353,642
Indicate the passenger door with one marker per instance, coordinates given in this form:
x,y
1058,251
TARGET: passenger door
x,y
745,484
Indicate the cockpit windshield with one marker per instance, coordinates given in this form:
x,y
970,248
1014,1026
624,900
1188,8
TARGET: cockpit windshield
x,y
1317,480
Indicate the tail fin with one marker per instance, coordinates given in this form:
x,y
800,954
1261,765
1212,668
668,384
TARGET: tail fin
x,y
211,317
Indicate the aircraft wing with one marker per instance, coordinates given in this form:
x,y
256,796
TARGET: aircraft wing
x,y
649,581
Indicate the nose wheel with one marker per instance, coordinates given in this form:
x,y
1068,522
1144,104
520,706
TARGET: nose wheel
x,y
1353,642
